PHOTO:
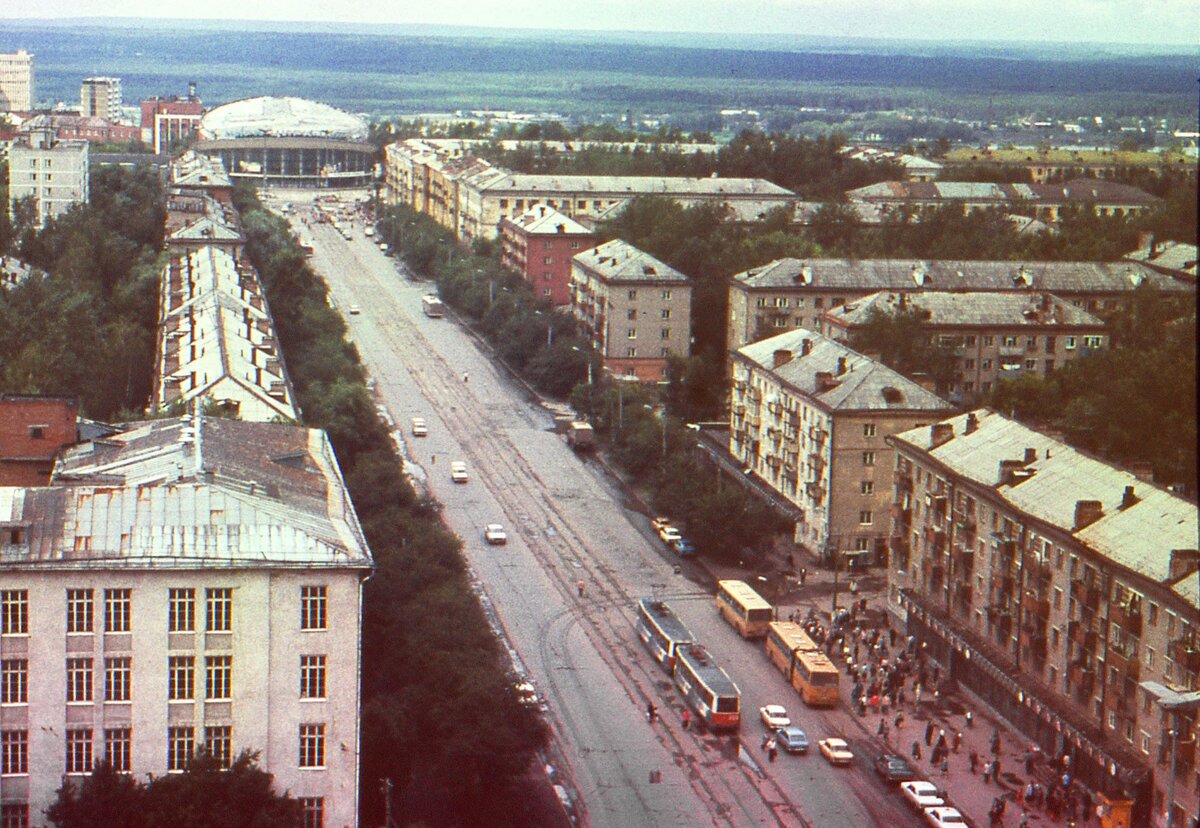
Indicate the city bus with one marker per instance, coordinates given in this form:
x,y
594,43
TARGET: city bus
x,y
708,691
803,663
744,608
432,305
661,632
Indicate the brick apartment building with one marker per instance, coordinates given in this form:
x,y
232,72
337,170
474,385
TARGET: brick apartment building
x,y
33,429
538,245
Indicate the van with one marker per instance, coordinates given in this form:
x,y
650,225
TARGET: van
x,y
458,471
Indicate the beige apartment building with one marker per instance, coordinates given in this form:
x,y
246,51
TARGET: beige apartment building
x,y
994,336
16,81
1054,585
810,417
793,293
101,97
637,310
54,173
183,584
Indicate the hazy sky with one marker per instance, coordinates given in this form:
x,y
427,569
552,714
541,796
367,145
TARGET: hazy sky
x,y
1109,21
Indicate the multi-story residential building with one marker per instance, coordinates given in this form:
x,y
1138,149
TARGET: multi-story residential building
x,y
183,584
993,335
82,127
1065,163
810,417
793,293
470,197
16,81
54,173
33,429
539,245
636,309
1053,585
167,120
1043,201
101,98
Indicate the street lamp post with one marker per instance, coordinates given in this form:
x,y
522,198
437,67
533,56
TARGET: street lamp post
x,y
662,421
1173,702
579,350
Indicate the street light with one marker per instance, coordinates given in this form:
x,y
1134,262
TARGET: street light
x,y
660,415
579,350
1172,701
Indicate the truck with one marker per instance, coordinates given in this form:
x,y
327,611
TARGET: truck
x,y
581,436
432,305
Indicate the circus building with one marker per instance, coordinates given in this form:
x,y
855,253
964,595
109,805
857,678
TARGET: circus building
x,y
288,142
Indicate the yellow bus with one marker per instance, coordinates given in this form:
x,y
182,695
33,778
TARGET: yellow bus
x,y
746,610
803,663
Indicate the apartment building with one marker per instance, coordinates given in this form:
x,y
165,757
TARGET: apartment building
x,y
538,245
994,336
16,81
810,417
101,98
793,293
53,172
32,431
1054,585
183,585
66,127
1061,163
636,309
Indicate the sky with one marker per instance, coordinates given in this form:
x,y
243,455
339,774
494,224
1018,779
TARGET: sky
x,y
1154,22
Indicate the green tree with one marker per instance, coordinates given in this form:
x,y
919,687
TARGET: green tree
x,y
901,340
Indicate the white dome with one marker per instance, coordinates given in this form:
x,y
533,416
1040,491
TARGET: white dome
x,y
281,117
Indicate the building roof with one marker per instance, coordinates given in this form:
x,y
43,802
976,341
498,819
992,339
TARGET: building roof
x,y
1168,255
195,169
13,271
991,310
546,221
855,382
955,275
195,492
281,117
1084,190
620,261
1140,537
634,185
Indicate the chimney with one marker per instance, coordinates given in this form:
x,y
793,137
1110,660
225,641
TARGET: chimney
x,y
841,369
543,211
972,423
782,356
1146,242
1183,563
562,228
1142,471
825,381
191,90
1030,455
903,301
940,434
926,381
1128,498
1087,512
805,347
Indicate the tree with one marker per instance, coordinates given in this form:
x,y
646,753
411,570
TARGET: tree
x,y
902,341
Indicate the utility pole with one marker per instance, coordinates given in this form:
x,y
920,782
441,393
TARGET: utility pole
x,y
385,787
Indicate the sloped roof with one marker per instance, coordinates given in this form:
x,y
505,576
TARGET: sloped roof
x,y
619,261
969,309
1079,189
546,221
637,185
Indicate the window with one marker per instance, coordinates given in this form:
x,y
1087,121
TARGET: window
x,y
631,333
14,612
79,750
866,487
547,260
116,610
868,458
547,244
312,745
632,295
665,333
861,544
218,743
1049,366
1009,342
1070,346
220,610
987,365
116,679
988,341
181,678
1031,343
1149,658
181,609
631,353
181,742
970,342
970,365
312,812
218,676
869,430
1153,614
14,678
819,302
547,292
14,815
37,432
666,296
666,314
118,744
312,677
312,607
1051,341
79,610
79,679
865,517
14,752
631,314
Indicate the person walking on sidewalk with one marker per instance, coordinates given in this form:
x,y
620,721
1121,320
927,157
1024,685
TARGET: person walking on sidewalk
x,y
916,750
803,575
973,760
929,733
686,718
957,740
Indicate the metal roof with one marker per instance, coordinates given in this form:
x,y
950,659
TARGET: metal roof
x,y
281,117
1023,310
620,261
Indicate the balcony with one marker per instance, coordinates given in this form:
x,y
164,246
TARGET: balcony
x,y
1127,618
1185,653
903,481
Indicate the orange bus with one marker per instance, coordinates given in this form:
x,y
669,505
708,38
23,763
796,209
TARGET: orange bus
x,y
746,610
803,663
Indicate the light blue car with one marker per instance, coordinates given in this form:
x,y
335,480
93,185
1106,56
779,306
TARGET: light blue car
x,y
683,547
792,739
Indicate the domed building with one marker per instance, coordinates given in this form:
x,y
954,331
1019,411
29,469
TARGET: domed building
x,y
289,142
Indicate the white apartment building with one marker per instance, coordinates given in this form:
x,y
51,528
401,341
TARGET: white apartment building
x,y
183,584
16,81
101,98
55,173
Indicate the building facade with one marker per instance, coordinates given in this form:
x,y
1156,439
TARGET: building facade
x,y
16,81
793,293
206,594
538,245
636,310
82,128
993,336
810,417
1054,585
54,173
168,120
101,98
33,429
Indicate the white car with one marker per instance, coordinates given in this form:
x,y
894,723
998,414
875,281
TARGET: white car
x,y
494,534
355,310
458,471
945,817
419,429
774,716
922,794
669,534
836,751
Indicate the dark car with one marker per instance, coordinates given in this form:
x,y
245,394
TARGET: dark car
x,y
893,768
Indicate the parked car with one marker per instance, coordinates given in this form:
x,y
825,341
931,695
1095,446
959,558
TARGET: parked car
x,y
355,310
945,817
893,768
792,739
494,534
458,471
659,523
669,534
922,794
418,427
836,751
684,548
774,716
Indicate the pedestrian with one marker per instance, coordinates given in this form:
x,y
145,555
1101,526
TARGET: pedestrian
x,y
973,760
766,740
803,574
466,376
1024,823
651,712
917,696
916,750
970,719
941,740
772,750
987,772
791,562
929,733
686,718
899,720
579,588
957,740
945,766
